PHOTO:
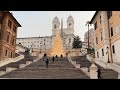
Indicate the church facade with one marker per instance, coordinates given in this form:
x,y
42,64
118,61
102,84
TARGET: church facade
x,y
44,43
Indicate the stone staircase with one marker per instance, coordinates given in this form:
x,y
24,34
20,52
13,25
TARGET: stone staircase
x,y
105,73
59,69
82,61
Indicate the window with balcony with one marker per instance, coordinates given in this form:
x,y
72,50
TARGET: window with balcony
x,y
113,49
13,40
5,52
8,36
14,28
97,55
101,36
111,30
9,24
95,25
100,19
102,52
11,54
96,40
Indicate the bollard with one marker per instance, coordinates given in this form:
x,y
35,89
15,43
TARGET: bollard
x,y
22,65
93,71
77,65
9,69
28,62
118,75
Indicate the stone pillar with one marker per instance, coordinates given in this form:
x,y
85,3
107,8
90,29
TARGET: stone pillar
x,y
108,65
22,65
9,69
80,54
93,71
77,65
118,75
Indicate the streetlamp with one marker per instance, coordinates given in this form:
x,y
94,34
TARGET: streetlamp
x,y
40,47
108,54
88,23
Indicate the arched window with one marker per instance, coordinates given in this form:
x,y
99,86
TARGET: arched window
x,y
55,26
64,41
11,54
13,42
69,40
70,25
8,36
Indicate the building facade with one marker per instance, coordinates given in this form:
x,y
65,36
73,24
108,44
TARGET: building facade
x,y
91,38
43,43
107,35
8,34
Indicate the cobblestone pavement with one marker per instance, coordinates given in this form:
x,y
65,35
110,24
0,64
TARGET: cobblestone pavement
x,y
59,69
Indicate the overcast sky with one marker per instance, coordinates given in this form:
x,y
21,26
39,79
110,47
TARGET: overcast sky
x,y
39,23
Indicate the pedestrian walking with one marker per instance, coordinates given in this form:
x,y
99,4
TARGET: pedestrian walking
x,y
99,73
61,56
56,56
53,58
45,55
47,62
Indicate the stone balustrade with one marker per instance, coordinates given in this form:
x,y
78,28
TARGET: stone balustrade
x,y
9,60
9,69
84,69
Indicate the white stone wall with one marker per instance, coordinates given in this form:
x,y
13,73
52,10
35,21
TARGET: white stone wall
x,y
68,31
116,55
20,49
43,42
102,58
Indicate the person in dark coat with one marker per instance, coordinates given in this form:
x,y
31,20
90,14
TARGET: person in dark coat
x,y
56,56
53,58
99,73
61,56
47,62
45,55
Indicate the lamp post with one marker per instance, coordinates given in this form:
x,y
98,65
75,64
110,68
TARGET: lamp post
x,y
108,54
40,47
45,47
